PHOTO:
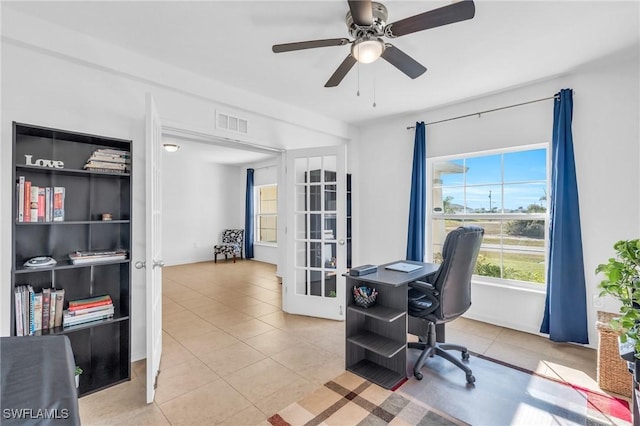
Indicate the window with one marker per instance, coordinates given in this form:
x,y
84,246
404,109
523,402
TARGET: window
x,y
267,214
505,192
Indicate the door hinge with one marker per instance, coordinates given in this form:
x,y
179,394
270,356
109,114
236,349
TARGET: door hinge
x,y
155,383
341,310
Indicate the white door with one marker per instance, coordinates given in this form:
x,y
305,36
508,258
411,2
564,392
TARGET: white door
x,y
153,261
316,232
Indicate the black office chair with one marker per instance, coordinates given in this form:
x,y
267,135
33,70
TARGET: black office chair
x,y
444,296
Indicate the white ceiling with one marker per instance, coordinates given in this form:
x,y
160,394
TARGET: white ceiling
x,y
506,44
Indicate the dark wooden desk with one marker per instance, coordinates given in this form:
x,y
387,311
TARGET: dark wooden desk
x,y
376,337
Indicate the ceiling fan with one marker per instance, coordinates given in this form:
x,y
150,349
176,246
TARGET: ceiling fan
x,y
367,23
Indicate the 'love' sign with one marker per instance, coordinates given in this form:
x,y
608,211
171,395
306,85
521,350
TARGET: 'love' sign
x,y
41,162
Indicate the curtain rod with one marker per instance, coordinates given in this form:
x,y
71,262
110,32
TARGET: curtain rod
x,y
484,112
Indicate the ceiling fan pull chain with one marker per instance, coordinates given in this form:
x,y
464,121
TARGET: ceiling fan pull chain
x,y
374,87
358,65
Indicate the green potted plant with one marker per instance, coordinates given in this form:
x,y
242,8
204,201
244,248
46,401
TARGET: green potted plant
x,y
78,372
622,281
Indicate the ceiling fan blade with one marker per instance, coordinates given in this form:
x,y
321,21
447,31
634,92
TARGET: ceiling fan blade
x,y
342,70
361,12
402,61
449,14
301,45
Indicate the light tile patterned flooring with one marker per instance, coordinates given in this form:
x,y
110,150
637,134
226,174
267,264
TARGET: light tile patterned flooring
x,y
232,357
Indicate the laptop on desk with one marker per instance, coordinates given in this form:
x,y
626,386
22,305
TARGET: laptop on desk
x,y
403,267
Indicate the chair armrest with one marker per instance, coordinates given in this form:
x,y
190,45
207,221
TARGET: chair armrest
x,y
423,287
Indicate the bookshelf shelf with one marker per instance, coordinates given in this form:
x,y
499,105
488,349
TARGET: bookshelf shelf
x,y
38,169
66,264
52,158
79,327
74,222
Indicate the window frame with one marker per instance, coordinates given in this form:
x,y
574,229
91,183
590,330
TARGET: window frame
x,y
257,214
431,215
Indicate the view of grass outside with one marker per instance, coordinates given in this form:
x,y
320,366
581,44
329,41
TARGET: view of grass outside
x,y
267,214
505,194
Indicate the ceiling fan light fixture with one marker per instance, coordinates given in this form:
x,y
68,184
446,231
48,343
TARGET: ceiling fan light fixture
x,y
367,50
170,147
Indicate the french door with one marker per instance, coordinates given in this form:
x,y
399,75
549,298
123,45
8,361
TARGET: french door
x,y
316,232
153,261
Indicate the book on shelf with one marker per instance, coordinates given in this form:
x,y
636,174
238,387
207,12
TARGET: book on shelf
x,y
59,307
88,310
33,204
81,257
90,302
100,169
71,321
47,204
46,308
37,312
113,151
92,164
20,198
110,158
27,201
17,295
52,308
41,204
29,312
58,203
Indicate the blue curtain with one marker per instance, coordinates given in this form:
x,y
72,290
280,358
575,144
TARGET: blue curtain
x,y
565,312
248,217
418,202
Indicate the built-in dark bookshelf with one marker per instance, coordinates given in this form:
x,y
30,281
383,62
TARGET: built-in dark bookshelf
x,y
101,348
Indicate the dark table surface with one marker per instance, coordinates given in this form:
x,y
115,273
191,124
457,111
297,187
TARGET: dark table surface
x,y
38,384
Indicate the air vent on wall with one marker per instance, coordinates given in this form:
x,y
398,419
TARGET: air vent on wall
x,y
231,123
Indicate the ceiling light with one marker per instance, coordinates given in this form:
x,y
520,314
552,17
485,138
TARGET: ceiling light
x,y
367,50
171,147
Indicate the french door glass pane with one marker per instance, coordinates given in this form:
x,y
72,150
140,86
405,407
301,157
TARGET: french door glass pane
x,y
301,254
301,281
301,225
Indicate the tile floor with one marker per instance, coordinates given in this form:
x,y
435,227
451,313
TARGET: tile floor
x,y
232,357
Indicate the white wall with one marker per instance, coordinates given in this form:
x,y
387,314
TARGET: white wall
x,y
200,199
54,77
606,135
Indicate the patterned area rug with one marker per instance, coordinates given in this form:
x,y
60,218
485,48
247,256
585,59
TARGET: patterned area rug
x,y
350,400
502,395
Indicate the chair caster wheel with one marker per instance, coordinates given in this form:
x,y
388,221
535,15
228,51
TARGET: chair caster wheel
x,y
470,379
419,376
465,356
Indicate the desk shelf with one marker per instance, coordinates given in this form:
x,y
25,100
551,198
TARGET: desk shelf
x,y
382,376
375,343
378,312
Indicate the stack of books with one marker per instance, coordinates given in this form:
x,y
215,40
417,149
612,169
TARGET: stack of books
x,y
87,310
37,311
109,160
81,257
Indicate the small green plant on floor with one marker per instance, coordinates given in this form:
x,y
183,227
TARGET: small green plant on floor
x,y
622,281
78,371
